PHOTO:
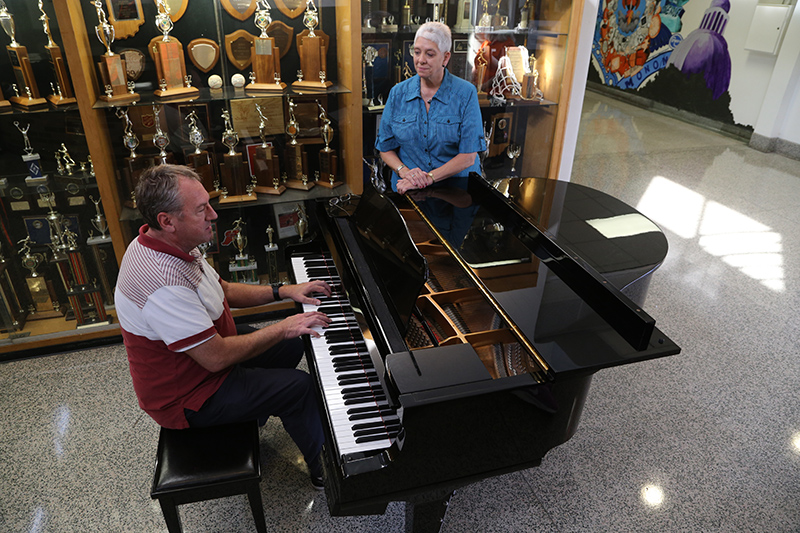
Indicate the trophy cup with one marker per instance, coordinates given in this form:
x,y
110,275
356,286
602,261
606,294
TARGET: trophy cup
x,y
31,159
266,57
242,267
530,81
102,250
370,54
21,63
272,257
513,150
200,160
301,225
160,140
313,47
134,164
328,161
62,93
113,75
524,15
44,303
367,26
83,293
234,174
486,19
405,16
170,64
388,24
266,171
295,155
12,314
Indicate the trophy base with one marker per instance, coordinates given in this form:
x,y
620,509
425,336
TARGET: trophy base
x,y
299,185
483,96
5,105
94,324
270,190
328,185
312,85
35,182
94,241
27,103
214,194
120,98
56,100
237,198
178,92
369,29
43,315
389,28
375,107
265,87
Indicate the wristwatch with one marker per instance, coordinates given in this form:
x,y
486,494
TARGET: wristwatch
x,y
401,167
276,295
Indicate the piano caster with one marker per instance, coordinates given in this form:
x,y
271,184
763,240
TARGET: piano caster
x,y
427,516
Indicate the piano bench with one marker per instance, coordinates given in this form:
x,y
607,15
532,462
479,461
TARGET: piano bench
x,y
201,464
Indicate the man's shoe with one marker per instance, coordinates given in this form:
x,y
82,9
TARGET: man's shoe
x,y
315,472
317,482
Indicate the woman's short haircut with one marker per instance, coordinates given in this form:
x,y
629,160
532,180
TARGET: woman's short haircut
x,y
158,191
436,32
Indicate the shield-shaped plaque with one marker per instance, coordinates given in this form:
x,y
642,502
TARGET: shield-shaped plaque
x,y
282,33
239,9
239,47
134,63
204,53
176,8
290,8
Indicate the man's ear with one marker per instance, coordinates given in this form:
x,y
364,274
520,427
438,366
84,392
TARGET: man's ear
x,y
165,221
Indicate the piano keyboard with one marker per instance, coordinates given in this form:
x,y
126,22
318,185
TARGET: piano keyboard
x,y
360,415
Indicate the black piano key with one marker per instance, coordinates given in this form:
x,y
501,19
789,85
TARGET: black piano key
x,y
373,438
373,425
366,399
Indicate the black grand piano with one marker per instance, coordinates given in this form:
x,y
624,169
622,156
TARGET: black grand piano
x,y
469,319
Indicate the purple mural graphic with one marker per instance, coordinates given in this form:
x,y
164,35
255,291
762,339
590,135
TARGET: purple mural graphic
x,y
706,51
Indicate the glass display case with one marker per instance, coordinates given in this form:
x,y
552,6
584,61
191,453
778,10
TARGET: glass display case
x,y
272,102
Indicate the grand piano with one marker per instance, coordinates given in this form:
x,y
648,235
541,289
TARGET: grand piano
x,y
468,320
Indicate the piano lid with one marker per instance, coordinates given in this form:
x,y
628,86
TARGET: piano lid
x,y
555,256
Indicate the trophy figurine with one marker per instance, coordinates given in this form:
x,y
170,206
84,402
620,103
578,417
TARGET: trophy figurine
x,y
200,160
486,18
272,257
134,164
242,267
481,63
170,64
312,45
21,63
267,169
295,155
160,139
43,296
369,56
99,220
11,310
31,159
265,57
102,250
328,161
234,173
113,75
530,81
301,225
62,90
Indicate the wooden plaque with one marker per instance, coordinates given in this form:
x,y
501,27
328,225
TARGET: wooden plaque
x,y
134,62
239,47
282,33
291,8
176,8
62,78
126,16
240,9
203,53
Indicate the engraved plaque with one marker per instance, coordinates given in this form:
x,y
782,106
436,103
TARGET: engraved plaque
x,y
239,48
134,62
204,53
291,8
239,9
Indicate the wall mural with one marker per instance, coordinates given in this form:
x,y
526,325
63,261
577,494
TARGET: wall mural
x,y
638,45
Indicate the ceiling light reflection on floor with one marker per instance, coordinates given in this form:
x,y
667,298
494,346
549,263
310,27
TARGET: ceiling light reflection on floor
x,y
652,495
796,442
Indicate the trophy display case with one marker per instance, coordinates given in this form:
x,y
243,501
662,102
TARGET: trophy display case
x,y
154,83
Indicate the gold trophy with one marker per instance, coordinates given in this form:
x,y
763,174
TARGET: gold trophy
x,y
160,140
328,161
200,160
266,57
530,81
21,63
370,53
296,159
43,297
267,169
134,163
12,314
272,257
113,76
242,267
62,90
312,45
170,64
486,18
480,72
234,174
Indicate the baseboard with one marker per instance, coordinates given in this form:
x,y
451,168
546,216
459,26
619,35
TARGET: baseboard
x,y
775,144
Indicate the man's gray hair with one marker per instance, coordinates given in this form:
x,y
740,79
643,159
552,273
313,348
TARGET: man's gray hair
x,y
436,32
158,191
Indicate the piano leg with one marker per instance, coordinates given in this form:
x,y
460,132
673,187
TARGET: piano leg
x,y
427,516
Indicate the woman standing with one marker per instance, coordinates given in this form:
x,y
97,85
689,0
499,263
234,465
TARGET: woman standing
x,y
431,127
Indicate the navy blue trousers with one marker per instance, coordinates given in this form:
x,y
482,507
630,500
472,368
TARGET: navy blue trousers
x,y
268,385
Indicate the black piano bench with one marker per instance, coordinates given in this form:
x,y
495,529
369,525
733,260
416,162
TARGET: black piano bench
x,y
201,464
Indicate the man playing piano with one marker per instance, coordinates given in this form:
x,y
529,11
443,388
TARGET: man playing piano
x,y
189,366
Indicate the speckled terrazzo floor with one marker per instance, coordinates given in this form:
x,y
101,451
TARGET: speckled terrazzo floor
x,y
715,431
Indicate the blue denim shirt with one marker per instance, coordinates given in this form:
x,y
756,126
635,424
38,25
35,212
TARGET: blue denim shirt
x,y
428,140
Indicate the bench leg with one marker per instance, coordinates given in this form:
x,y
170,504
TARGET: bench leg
x,y
256,505
171,515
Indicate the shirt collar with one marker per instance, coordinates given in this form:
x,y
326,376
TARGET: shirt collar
x,y
160,246
415,87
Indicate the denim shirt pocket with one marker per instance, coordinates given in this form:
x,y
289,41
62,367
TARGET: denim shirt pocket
x,y
404,129
447,128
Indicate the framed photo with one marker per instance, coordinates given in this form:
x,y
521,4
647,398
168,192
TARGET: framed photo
x,y
285,219
408,60
458,61
382,68
250,150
